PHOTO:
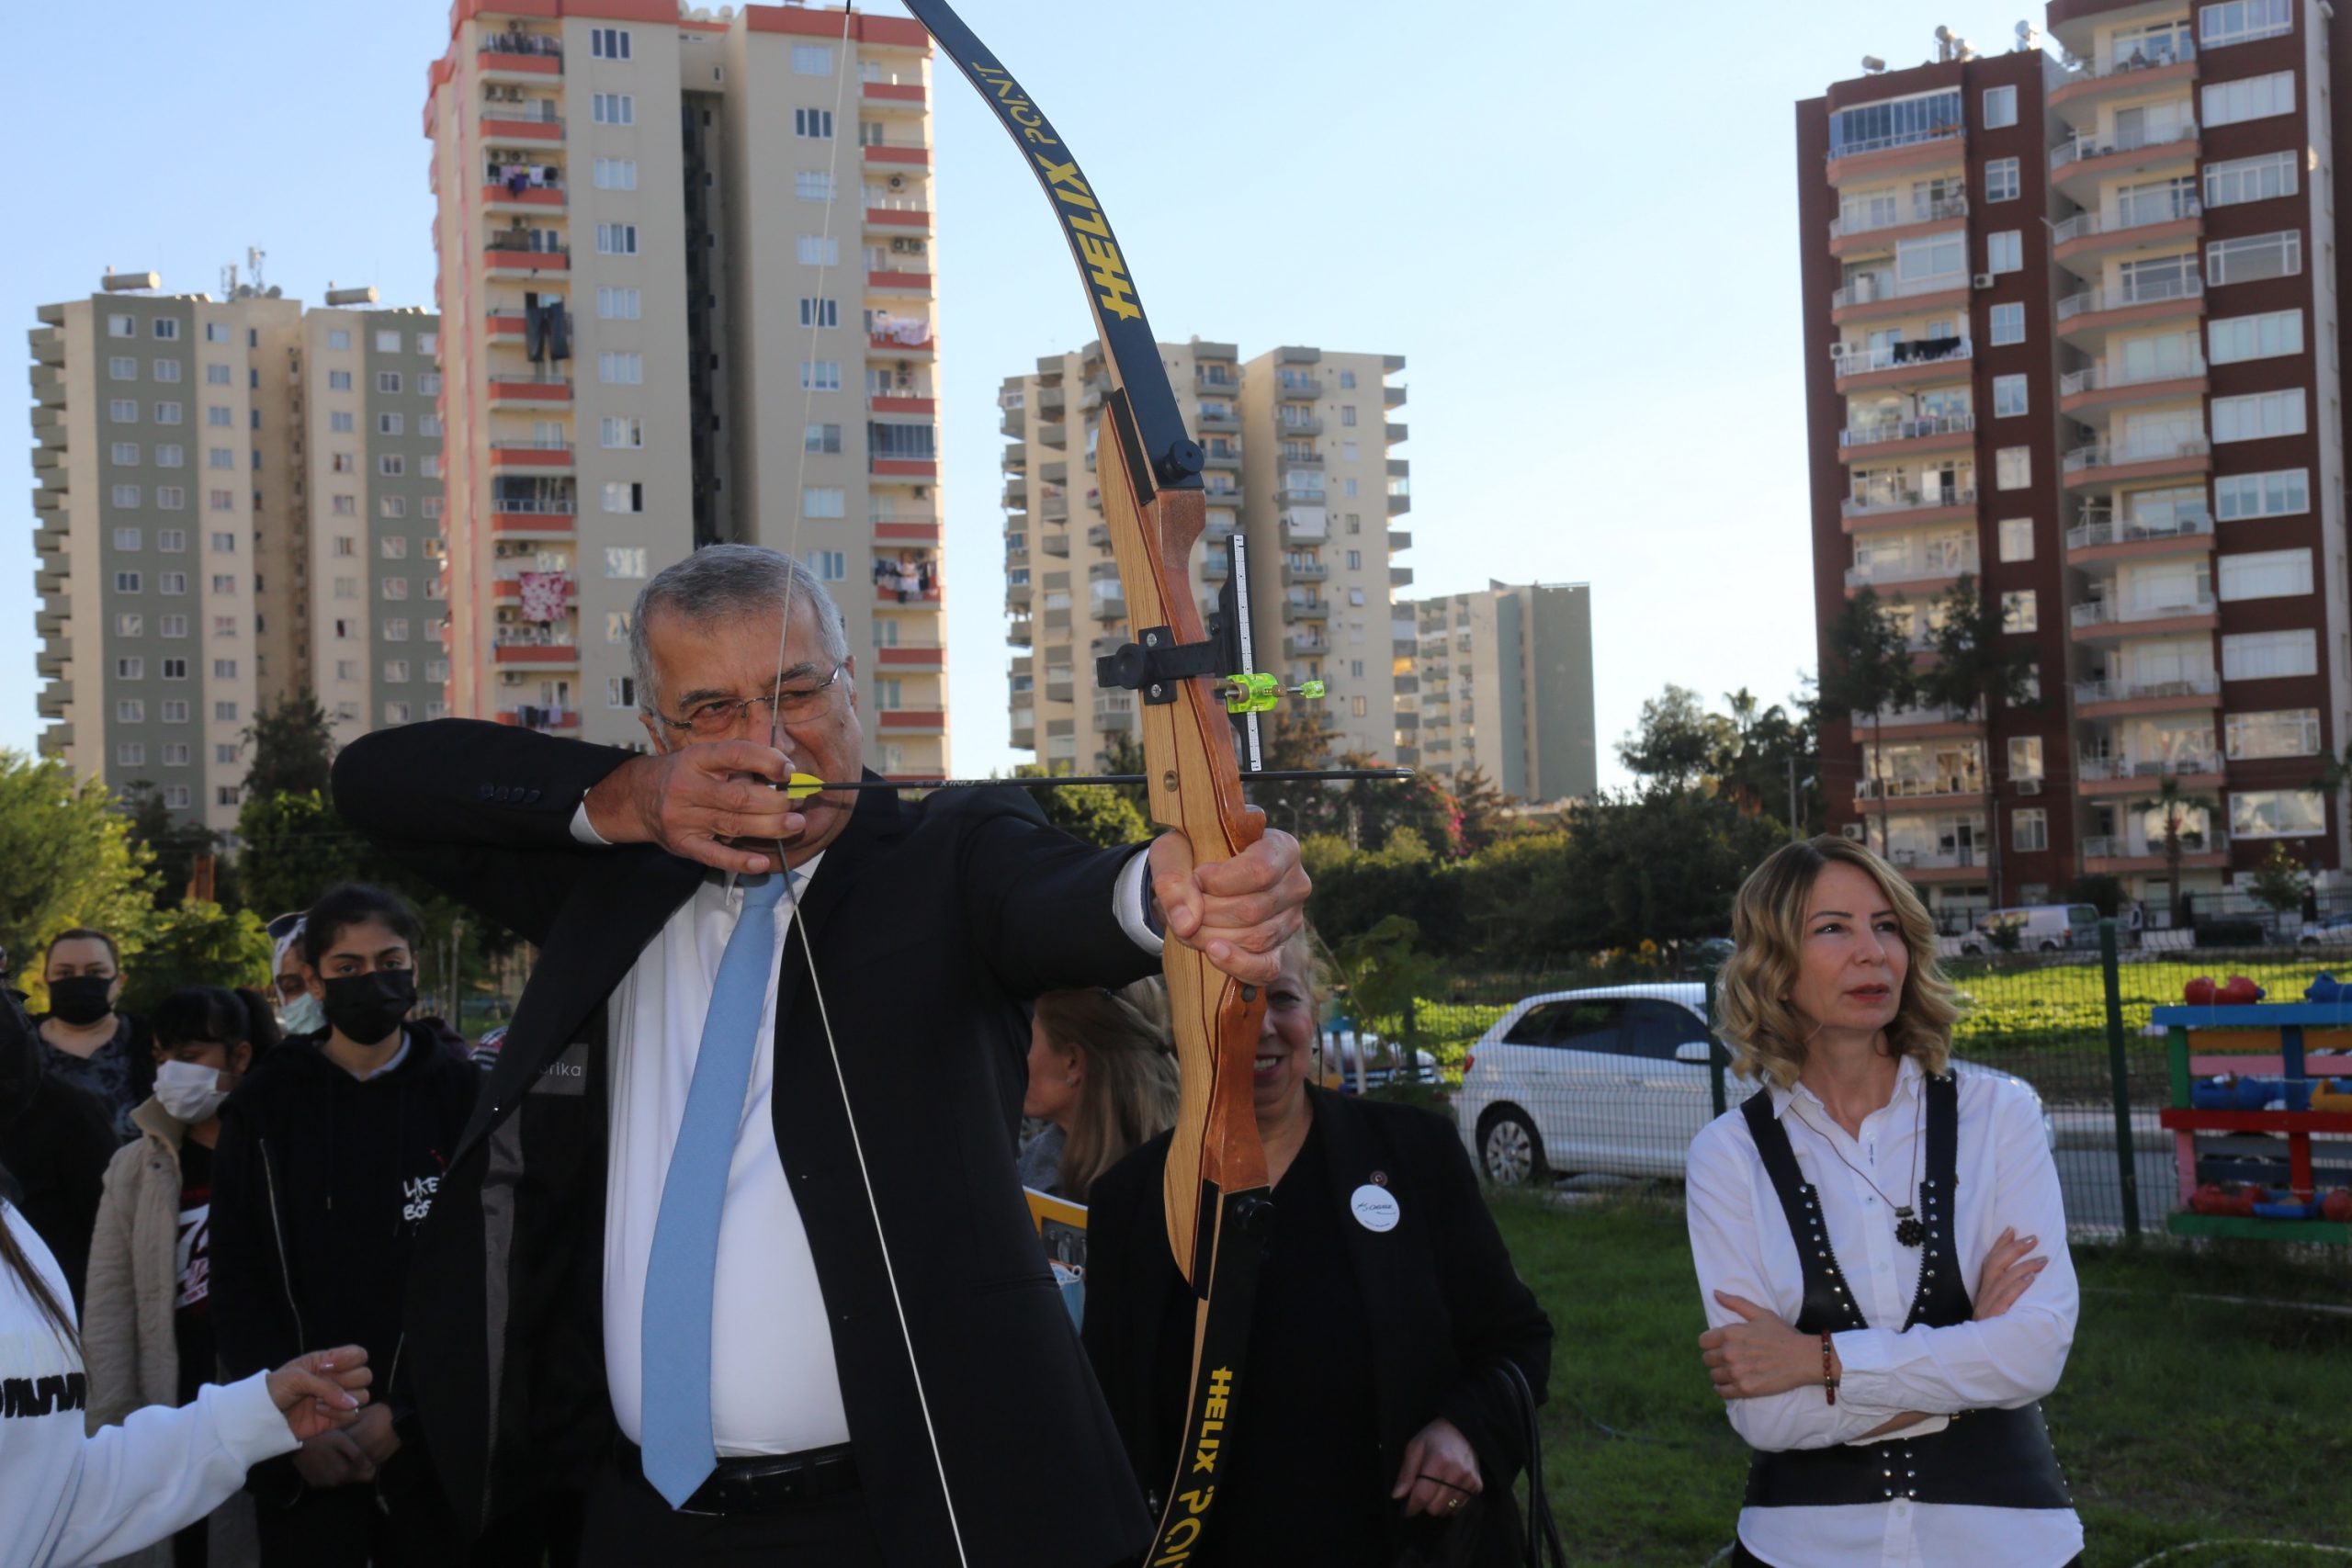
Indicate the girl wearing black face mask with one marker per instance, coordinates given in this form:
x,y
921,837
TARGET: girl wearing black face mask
x,y
330,1153
85,1039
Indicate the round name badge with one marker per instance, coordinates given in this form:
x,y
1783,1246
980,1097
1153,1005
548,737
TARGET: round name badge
x,y
1375,1207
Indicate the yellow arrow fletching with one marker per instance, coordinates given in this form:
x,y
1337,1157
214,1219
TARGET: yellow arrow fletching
x,y
802,785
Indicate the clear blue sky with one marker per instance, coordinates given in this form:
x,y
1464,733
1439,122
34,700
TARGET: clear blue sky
x,y
1577,225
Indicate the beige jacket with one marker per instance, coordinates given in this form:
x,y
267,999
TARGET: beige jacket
x,y
127,1340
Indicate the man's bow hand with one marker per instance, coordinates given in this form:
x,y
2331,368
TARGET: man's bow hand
x,y
699,802
1236,913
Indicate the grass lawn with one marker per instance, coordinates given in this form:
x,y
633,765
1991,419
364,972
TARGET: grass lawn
x,y
2178,1421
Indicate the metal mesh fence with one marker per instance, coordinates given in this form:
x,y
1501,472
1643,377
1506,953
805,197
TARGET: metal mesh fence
x,y
1592,1078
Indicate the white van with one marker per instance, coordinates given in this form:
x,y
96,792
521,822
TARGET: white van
x,y
2040,928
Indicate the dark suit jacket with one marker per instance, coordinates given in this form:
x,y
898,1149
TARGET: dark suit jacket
x,y
1445,1302
932,923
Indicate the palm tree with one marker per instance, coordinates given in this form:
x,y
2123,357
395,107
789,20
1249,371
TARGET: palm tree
x,y
2180,838
1977,667
1867,667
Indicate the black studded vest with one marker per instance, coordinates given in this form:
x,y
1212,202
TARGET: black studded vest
x,y
1986,1458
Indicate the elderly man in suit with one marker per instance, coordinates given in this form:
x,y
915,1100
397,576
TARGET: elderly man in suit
x,y
733,1243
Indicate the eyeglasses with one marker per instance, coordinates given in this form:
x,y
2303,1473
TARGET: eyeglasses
x,y
718,718
285,926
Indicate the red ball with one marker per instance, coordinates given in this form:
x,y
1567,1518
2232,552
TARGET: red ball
x,y
2199,991
2238,991
2336,1206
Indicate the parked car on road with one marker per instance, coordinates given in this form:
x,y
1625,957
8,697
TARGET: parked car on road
x,y
2040,928
2330,931
1611,1080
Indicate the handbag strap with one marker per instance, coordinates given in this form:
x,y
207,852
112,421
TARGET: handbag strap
x,y
1543,1534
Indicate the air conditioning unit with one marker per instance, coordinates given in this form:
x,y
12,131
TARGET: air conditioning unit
x,y
1984,280
1855,831
922,490
2028,786
898,182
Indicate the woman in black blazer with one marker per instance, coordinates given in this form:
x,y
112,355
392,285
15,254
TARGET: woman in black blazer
x,y
1378,1416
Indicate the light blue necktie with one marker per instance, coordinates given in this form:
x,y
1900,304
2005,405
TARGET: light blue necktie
x,y
674,1337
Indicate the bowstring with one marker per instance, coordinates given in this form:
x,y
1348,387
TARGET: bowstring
x,y
775,735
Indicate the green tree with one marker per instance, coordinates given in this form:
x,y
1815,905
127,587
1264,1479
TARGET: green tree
x,y
1517,901
292,746
1122,753
1660,866
196,943
1297,739
71,862
1868,669
2178,837
1677,742
1385,979
1478,806
295,847
1099,814
2280,881
176,845
1980,665
1772,749
1356,889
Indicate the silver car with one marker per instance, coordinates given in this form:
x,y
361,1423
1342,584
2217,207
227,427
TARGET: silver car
x,y
1611,1080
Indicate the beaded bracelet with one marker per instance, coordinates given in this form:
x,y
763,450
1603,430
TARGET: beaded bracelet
x,y
1828,1374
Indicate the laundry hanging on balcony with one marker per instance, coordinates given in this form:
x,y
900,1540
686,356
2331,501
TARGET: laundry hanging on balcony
x,y
545,595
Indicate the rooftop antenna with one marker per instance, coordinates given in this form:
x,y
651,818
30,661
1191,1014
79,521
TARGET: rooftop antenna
x,y
2029,36
254,256
1945,38
229,280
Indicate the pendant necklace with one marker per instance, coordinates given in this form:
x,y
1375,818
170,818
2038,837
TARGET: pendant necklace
x,y
1909,1229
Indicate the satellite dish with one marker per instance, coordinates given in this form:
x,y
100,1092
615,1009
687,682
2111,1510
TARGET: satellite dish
x,y
1943,35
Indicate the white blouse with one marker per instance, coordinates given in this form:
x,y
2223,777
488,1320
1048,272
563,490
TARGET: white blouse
x,y
1741,1245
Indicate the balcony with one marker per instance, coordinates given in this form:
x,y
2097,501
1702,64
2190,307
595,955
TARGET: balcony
x,y
1876,295
1881,229
914,531
1961,864
1881,155
528,518
916,470
2141,457
1900,437
1299,572
1930,721
2100,775
506,585
1939,788
1216,417
2079,164
2086,317
1908,508
1305,640
1906,576
535,122
528,391
912,721
898,215
897,280
518,56
2111,386
539,457
1856,367
2116,854
508,255
526,197
546,720
2100,538
911,659
1295,610
902,402
892,96
533,648
2079,97
908,340
1018,632
2095,619
1295,423
2148,223
2116,699
896,155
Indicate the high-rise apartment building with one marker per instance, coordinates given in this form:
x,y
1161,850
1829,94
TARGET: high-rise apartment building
x,y
1297,444
226,487
2071,328
1501,684
687,272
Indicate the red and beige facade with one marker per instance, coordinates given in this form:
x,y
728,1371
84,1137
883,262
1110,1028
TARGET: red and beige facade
x,y
687,272
2071,328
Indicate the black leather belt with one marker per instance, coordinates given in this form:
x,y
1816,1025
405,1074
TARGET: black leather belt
x,y
766,1484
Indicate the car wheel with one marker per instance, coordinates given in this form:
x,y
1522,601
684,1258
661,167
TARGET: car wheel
x,y
2049,947
1510,1151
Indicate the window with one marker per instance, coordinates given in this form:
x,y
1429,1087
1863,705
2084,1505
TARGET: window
x,y
339,423
344,546
387,341
820,375
2001,179
344,463
344,505
813,185
338,380
129,710
224,543
391,425
624,495
122,367
177,797
129,539
2260,656
2235,21
123,326
2249,97
396,671
436,670
821,501
619,370
129,669
831,565
2008,395
2020,612
2291,732
625,562
1932,256
616,239
167,414
392,547
392,465
396,630
168,328
429,465
2232,338
131,622
123,410
428,423
388,380
620,692
2277,814
216,376
608,43
177,669
2250,179
819,313
2258,414
612,109
2276,494
2000,107
2025,757
812,59
618,305
2028,829
819,250
224,583
130,755
224,669
428,385
347,588
125,452
2264,574
225,754
173,711
813,124
392,588
2013,467
170,498
125,495
126,583
820,438
171,539
616,626
225,713
2005,250
2008,324
171,625
616,432
338,338
428,343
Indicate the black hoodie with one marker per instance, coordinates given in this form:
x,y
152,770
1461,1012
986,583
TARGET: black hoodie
x,y
57,1140
320,1183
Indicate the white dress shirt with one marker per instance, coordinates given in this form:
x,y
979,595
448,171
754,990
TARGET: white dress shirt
x,y
775,1388
1741,1245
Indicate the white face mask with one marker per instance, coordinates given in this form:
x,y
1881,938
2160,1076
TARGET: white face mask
x,y
189,1090
303,1015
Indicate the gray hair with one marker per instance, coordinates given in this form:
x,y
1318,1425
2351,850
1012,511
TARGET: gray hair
x,y
720,581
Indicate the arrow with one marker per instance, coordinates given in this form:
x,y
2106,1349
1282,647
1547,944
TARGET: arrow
x,y
803,785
